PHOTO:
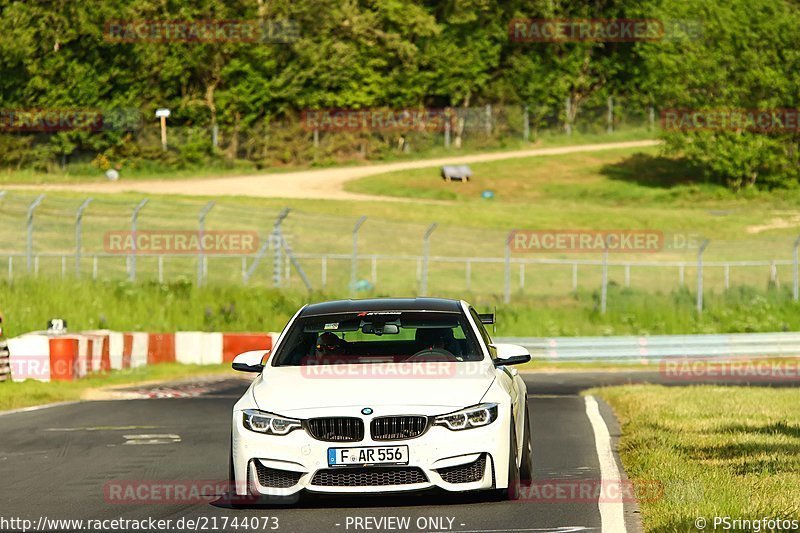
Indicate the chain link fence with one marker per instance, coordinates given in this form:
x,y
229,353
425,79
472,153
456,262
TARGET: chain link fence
x,y
57,236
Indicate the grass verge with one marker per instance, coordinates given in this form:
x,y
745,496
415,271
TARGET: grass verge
x,y
716,451
156,307
14,395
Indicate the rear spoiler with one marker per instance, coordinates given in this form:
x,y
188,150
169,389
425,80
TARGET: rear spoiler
x,y
486,318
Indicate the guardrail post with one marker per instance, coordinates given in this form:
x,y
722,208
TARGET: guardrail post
x,y
134,219
796,288
425,252
354,257
79,235
702,249
201,222
29,224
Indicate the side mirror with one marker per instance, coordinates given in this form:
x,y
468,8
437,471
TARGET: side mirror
x,y
511,354
250,361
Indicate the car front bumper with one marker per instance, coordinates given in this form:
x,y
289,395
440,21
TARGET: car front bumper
x,y
467,460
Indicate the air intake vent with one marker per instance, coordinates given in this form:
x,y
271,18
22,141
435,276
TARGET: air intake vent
x,y
398,427
467,473
281,479
336,429
368,477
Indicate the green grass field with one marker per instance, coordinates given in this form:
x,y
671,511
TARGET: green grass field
x,y
618,189
716,451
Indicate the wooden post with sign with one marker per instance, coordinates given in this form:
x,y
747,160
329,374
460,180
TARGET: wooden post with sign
x,y
163,114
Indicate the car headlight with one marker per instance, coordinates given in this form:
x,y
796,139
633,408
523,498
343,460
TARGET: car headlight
x,y
471,417
269,423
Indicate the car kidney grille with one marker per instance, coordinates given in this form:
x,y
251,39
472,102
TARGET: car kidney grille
x,y
398,427
336,429
272,477
368,477
467,473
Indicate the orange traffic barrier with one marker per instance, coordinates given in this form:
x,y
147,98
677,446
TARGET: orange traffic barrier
x,y
105,354
160,348
235,343
63,358
127,349
89,355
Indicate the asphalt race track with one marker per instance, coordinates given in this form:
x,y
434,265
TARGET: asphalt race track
x,y
61,462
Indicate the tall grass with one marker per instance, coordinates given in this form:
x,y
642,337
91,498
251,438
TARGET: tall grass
x,y
29,303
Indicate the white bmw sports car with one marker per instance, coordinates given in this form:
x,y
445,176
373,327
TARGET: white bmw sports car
x,y
382,395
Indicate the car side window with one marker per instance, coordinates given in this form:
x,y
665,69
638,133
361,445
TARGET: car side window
x,y
482,330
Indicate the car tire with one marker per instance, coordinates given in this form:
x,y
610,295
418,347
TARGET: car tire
x,y
526,468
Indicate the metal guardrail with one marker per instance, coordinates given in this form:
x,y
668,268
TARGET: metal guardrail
x,y
654,347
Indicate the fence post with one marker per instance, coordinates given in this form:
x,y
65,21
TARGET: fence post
x,y
10,268
796,288
425,252
134,218
468,274
354,257
79,235
651,113
29,222
628,275
526,125
610,115
604,286
201,221
507,269
574,276
161,269
702,249
488,120
324,271
728,276
276,238
448,119
568,112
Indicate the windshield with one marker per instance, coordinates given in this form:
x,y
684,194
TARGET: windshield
x,y
385,337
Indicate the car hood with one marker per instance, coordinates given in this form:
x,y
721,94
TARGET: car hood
x,y
285,390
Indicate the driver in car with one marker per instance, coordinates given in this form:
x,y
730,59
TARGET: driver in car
x,y
328,346
436,339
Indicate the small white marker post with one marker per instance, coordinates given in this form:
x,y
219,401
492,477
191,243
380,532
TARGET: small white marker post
x,y
163,114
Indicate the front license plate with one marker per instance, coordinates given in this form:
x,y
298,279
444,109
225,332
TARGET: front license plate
x,y
368,455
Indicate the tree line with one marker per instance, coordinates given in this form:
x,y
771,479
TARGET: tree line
x,y
250,81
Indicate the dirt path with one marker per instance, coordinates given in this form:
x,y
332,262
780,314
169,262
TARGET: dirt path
x,y
311,184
